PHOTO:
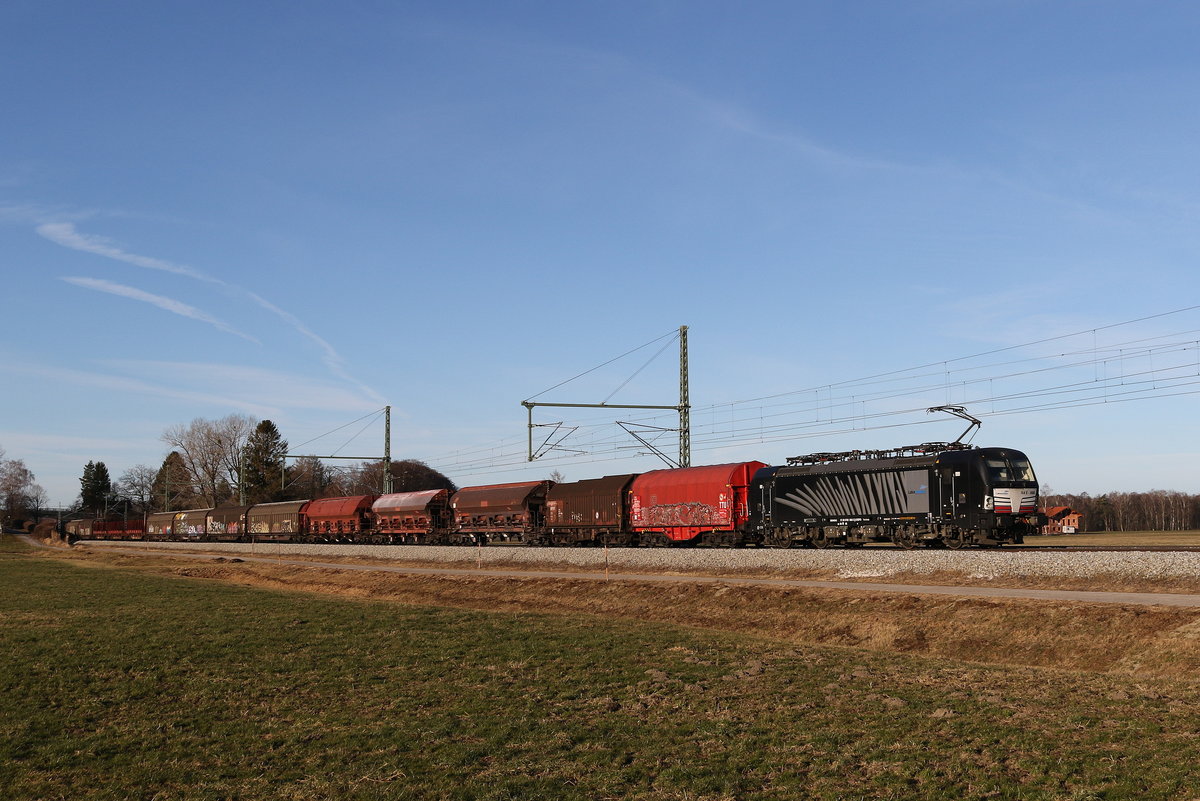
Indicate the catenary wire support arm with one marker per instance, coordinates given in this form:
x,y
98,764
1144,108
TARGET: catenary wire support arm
x,y
547,445
386,459
315,456
683,408
647,443
531,405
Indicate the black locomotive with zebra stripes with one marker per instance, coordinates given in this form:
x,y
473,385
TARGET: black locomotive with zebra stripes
x,y
936,494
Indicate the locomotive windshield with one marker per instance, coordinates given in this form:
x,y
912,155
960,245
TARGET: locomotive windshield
x,y
1011,469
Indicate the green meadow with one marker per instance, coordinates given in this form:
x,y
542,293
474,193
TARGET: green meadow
x,y
124,684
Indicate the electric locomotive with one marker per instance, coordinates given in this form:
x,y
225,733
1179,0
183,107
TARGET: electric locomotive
x,y
938,494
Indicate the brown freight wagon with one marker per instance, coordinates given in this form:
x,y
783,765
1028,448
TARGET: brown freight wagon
x,y
228,524
331,519
190,524
283,521
160,526
590,512
505,512
79,529
413,518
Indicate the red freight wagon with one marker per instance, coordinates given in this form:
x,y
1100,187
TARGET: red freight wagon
x,y
119,529
499,511
587,512
337,518
692,503
412,517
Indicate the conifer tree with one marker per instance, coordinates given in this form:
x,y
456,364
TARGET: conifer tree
x,y
95,488
262,464
174,488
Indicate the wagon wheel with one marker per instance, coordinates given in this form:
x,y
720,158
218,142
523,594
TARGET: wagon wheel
x,y
904,538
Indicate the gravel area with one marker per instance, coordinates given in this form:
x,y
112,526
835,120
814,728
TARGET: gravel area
x,y
844,564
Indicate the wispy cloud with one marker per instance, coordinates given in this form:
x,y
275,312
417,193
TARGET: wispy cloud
x,y
740,120
165,303
262,393
330,357
66,235
254,385
122,385
36,214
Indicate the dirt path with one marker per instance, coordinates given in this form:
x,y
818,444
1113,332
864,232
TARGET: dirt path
x,y
1074,596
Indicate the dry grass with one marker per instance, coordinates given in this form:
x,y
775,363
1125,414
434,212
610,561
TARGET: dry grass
x,y
1120,538
1096,583
1130,640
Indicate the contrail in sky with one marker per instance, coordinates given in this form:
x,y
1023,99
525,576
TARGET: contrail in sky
x,y
169,304
65,234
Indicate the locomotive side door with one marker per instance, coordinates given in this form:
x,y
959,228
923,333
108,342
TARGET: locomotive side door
x,y
952,485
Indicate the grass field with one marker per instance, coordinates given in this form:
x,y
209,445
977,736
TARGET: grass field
x,y
120,683
1119,538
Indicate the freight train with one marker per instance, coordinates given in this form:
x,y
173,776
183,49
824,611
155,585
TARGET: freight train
x,y
938,494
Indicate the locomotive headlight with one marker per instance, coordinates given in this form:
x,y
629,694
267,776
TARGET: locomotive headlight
x,y
988,503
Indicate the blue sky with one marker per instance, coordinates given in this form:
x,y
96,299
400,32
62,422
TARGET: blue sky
x,y
304,211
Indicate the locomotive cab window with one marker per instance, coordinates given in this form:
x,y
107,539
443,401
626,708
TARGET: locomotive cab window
x,y
1022,469
1007,470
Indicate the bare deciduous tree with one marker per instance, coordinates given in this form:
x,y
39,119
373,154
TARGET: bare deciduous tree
x,y
18,492
211,451
137,484
1156,510
408,475
309,477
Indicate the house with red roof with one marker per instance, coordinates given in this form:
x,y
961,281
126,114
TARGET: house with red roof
x,y
1062,520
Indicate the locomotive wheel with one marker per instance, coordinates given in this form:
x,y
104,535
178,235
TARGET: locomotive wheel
x,y
904,539
955,540
821,542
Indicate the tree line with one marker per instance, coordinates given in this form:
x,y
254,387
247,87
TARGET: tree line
x,y
1157,510
236,461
